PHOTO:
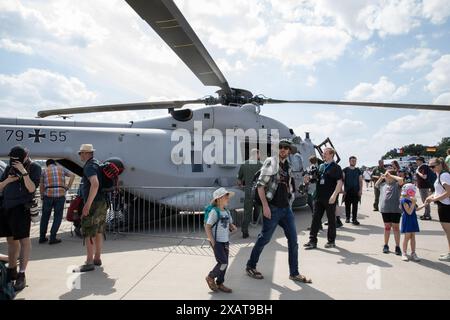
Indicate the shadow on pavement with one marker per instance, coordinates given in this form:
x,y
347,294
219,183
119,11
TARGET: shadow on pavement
x,y
89,284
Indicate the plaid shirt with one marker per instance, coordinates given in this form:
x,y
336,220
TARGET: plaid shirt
x,y
270,177
53,180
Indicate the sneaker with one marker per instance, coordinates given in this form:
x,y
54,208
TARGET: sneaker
x,y
386,249
375,209
300,278
11,274
424,217
21,282
245,235
211,283
445,257
339,223
330,245
54,241
355,223
310,245
222,288
405,257
347,220
414,257
43,240
85,268
398,252
97,262
253,273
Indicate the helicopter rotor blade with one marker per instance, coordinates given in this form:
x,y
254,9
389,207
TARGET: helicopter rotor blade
x,y
365,104
170,24
176,104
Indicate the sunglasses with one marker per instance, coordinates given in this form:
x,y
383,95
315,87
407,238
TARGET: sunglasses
x,y
432,166
284,147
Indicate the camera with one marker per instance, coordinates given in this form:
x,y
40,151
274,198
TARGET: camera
x,y
13,171
313,173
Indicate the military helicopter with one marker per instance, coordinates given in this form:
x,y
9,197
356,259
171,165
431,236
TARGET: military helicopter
x,y
147,146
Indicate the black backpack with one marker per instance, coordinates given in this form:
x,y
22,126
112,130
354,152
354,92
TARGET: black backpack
x,y
110,170
6,288
254,194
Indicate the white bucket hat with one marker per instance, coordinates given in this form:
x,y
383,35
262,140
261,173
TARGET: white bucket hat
x,y
86,148
219,193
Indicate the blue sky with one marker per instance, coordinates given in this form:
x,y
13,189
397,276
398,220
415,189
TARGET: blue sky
x,y
66,53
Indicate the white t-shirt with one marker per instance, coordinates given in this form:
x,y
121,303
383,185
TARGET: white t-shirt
x,y
445,180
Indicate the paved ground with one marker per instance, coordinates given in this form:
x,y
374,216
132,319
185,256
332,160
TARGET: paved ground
x,y
145,267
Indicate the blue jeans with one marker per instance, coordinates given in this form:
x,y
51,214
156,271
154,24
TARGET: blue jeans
x,y
47,205
284,217
221,253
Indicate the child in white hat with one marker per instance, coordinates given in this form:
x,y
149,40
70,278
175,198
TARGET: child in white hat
x,y
218,225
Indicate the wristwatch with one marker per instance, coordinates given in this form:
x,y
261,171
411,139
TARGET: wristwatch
x,y
25,174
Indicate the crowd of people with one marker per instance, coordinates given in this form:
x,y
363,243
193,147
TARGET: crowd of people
x,y
269,188
18,185
395,198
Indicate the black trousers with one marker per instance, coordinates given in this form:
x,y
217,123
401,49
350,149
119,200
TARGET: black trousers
x,y
351,203
320,207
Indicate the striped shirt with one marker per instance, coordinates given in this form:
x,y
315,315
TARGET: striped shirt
x,y
53,180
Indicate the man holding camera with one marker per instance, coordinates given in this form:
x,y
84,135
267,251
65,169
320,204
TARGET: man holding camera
x,y
18,184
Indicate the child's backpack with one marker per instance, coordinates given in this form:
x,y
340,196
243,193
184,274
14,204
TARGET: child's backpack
x,y
110,170
6,287
208,210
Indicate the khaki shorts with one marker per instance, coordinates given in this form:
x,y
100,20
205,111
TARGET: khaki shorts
x,y
95,222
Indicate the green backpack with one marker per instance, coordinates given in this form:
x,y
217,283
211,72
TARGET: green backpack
x,y
208,209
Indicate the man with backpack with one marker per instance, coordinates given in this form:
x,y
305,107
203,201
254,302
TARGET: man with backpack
x,y
425,179
95,207
245,179
275,192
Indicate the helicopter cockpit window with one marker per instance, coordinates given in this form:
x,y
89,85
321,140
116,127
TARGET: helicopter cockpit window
x,y
182,115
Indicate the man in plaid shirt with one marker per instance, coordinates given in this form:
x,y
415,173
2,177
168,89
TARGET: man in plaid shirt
x,y
275,189
53,194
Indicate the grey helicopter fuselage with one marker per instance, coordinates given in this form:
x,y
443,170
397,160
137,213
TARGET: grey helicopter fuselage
x,y
146,146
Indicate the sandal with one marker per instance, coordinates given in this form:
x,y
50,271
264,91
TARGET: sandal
x,y
254,274
300,278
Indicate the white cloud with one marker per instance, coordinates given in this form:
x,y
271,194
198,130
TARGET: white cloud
x,y
35,89
436,10
369,50
383,90
18,47
443,99
415,58
439,77
298,44
311,81
432,126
